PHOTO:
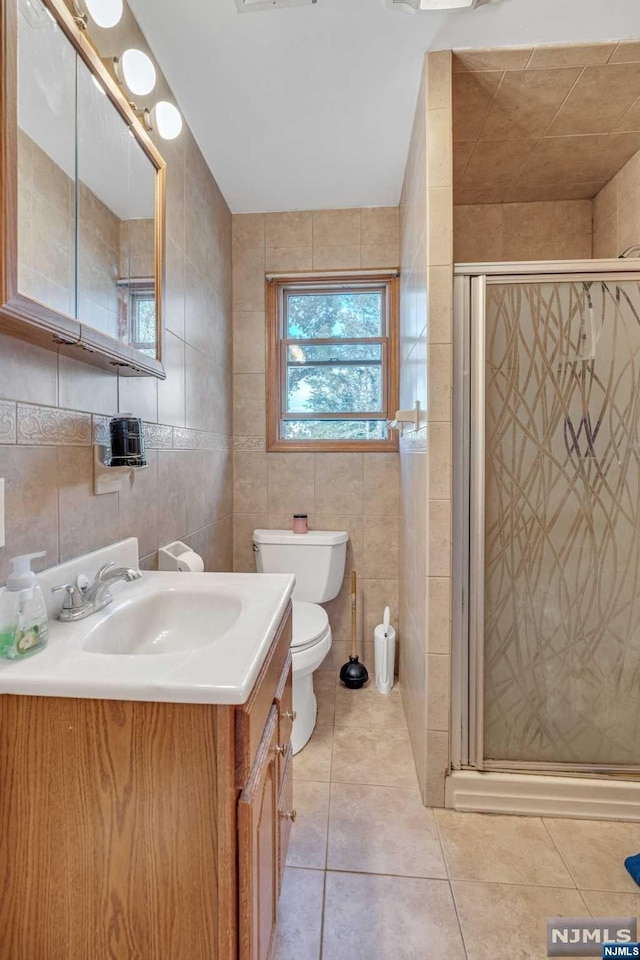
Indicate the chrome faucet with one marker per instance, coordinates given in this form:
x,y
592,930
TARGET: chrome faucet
x,y
81,602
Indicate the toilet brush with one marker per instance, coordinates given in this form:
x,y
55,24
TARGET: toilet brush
x,y
354,674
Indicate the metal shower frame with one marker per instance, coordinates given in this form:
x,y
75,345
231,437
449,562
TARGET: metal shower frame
x,y
469,327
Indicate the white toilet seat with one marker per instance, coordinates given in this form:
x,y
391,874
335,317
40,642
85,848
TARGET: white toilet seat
x,y
310,623
311,642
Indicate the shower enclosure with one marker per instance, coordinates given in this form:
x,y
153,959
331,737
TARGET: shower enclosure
x,y
547,519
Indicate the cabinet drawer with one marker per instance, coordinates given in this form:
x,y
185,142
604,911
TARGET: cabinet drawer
x,y
284,702
286,815
251,717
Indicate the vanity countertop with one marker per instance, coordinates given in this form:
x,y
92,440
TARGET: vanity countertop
x,y
168,637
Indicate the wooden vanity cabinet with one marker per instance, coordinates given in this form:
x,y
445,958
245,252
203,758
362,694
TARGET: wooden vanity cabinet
x,y
146,831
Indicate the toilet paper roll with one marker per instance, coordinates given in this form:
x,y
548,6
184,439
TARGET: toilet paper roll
x,y
190,562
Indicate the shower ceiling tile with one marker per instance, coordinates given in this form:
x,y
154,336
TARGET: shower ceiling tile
x,y
495,162
610,155
554,125
470,194
532,192
555,159
475,61
461,155
627,50
525,192
527,102
576,55
631,119
472,96
599,100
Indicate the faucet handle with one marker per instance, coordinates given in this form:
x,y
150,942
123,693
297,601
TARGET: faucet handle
x,y
72,598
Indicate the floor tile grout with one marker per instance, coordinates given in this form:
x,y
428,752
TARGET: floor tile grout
x,y
324,898
560,854
455,907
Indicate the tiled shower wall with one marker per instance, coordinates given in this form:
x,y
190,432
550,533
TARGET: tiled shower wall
x,y
357,492
616,212
425,454
51,406
502,232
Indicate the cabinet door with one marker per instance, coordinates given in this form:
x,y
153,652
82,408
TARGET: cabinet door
x,y
284,702
286,813
258,849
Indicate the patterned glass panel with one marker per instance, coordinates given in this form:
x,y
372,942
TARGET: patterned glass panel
x,y
562,535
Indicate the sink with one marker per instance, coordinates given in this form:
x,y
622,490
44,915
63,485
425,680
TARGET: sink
x,y
168,637
174,621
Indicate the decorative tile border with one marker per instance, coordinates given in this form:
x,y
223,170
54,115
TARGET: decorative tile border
x,y
184,439
100,430
249,443
52,426
214,441
157,436
26,423
8,419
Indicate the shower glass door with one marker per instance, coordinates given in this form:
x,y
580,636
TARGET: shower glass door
x,y
555,521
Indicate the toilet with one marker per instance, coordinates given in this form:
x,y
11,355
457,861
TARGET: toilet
x,y
317,559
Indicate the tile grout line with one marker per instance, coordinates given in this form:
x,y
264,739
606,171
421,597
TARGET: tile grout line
x,y
322,918
553,841
451,891
455,907
326,849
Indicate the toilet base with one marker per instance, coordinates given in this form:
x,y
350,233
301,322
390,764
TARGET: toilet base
x,y
304,699
306,708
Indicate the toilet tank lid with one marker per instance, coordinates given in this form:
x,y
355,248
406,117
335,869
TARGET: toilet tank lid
x,y
322,538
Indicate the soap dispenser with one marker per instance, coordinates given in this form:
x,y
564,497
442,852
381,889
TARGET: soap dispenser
x,y
23,613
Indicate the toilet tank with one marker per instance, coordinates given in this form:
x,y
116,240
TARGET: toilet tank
x,y
316,558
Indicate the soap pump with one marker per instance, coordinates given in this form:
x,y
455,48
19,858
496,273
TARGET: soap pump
x,y
23,611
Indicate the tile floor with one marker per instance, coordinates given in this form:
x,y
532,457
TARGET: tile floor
x,y
373,875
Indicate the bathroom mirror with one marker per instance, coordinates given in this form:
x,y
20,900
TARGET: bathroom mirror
x,y
82,191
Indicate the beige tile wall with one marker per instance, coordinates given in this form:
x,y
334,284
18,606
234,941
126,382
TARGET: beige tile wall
x,y
340,491
52,406
425,455
616,212
496,232
99,263
46,238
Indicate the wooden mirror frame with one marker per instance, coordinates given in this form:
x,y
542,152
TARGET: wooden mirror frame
x,y
25,317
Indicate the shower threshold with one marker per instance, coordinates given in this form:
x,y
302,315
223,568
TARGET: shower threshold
x,y
544,795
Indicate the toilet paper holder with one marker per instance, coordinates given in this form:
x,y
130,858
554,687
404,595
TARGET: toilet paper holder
x,y
179,556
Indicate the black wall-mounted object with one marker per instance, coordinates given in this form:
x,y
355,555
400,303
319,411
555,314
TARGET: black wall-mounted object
x,y
127,442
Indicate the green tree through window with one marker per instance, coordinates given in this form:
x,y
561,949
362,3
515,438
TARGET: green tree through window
x,y
334,355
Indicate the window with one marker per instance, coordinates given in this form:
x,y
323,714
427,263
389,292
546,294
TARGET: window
x,y
138,321
331,376
142,312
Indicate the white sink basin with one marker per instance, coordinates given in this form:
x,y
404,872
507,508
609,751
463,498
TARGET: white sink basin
x,y
174,621
173,637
